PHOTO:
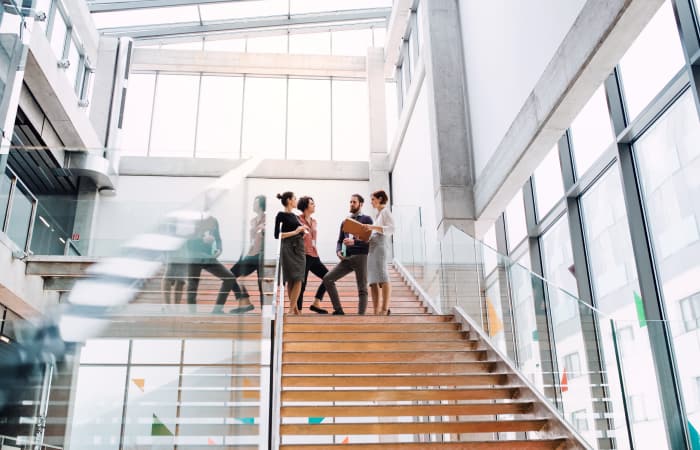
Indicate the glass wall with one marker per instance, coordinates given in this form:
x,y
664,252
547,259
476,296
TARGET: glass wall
x,y
657,127
669,165
244,116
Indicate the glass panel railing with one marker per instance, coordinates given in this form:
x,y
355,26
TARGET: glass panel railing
x,y
593,368
163,342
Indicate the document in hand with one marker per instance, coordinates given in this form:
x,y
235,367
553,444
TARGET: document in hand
x,y
356,228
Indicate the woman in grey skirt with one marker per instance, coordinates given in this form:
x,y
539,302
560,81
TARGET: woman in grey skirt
x,y
292,255
377,272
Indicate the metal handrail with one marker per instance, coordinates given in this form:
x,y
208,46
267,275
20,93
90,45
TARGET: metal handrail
x,y
33,443
276,367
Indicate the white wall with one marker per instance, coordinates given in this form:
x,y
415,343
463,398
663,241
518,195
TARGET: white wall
x,y
412,177
332,200
507,45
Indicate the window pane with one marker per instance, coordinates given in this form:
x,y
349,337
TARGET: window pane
x,y
392,111
219,123
99,400
174,115
225,45
310,43
137,114
20,217
652,60
516,227
379,36
549,187
309,127
352,42
616,290
668,158
191,45
58,35
241,10
268,44
156,351
146,16
591,132
105,351
308,6
5,185
74,58
264,117
558,261
350,122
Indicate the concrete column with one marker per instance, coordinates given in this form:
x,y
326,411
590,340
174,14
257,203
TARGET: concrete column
x,y
447,96
85,215
378,157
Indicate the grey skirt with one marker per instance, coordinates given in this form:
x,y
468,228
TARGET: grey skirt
x,y
293,258
377,271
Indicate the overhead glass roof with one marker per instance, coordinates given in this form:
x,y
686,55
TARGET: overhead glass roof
x,y
146,19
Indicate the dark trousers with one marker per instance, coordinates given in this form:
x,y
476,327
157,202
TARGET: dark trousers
x,y
315,266
246,266
354,263
214,267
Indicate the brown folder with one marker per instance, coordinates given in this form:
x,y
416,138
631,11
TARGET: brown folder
x,y
357,229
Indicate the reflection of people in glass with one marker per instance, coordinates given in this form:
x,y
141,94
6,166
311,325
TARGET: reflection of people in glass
x,y
173,283
203,249
292,255
377,272
253,260
307,206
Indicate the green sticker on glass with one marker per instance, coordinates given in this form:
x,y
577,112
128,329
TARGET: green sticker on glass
x,y
641,315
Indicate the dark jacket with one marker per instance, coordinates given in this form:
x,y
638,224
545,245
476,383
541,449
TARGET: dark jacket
x,y
360,247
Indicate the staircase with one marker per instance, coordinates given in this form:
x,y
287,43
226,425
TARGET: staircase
x,y
408,380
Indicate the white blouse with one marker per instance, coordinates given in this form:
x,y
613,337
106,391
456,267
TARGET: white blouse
x,y
385,220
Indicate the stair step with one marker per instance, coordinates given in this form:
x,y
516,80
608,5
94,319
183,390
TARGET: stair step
x,y
470,409
435,346
550,444
421,336
386,357
369,327
399,395
388,368
394,381
485,426
366,319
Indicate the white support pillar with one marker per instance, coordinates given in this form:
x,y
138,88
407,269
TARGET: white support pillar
x,y
378,149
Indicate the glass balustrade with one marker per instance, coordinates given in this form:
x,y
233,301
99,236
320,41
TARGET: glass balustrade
x,y
594,368
158,338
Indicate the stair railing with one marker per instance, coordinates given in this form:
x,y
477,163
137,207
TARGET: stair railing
x,y
275,393
569,352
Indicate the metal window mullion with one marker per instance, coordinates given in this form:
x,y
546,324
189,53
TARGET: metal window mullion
x,y
196,117
10,202
687,23
506,299
597,377
331,115
286,119
660,337
153,113
240,136
125,398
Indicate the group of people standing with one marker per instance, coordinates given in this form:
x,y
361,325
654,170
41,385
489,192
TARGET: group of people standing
x,y
299,256
368,259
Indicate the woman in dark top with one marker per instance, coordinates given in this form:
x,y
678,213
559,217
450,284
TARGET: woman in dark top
x,y
292,255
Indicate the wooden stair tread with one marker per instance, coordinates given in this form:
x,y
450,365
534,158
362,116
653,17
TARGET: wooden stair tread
x,y
372,346
394,381
501,393
387,368
484,426
545,444
407,410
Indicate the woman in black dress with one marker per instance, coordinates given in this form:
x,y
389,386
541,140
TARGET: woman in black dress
x,y
292,255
